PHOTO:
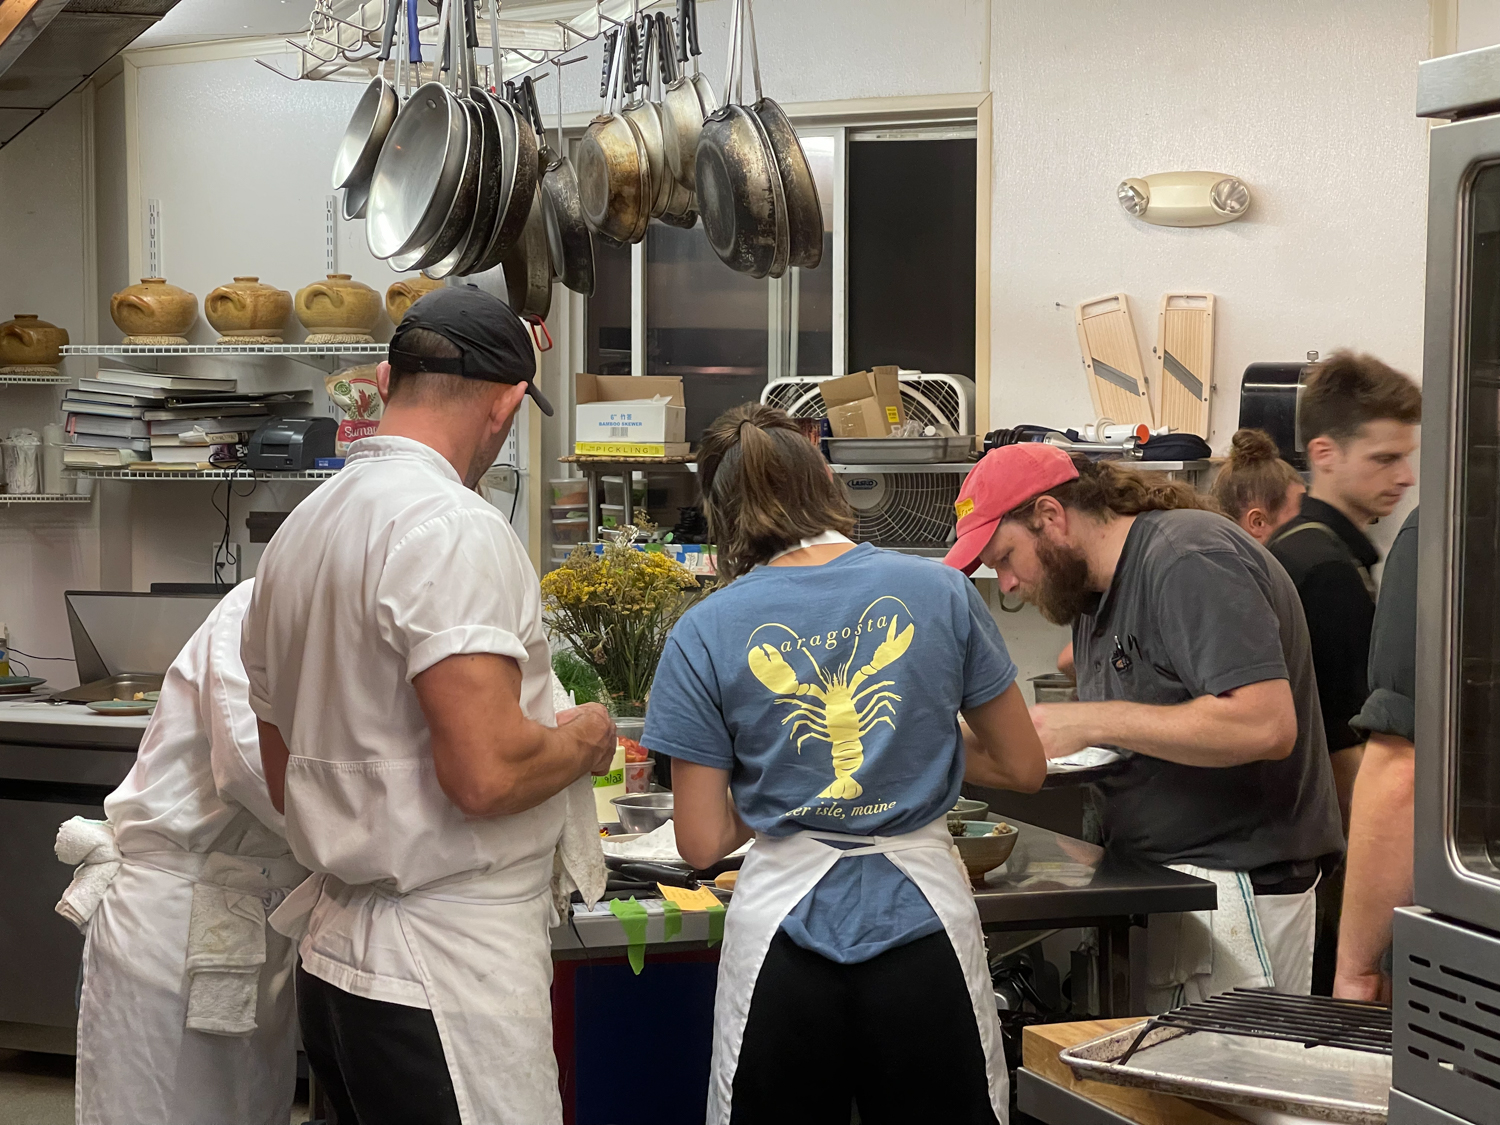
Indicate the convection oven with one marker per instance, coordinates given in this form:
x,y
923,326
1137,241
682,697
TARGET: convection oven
x,y
1446,960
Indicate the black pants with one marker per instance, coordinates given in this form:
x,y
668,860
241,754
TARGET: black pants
x,y
894,1035
379,1063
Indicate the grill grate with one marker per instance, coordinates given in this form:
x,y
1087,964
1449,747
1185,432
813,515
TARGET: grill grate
x,y
1313,1021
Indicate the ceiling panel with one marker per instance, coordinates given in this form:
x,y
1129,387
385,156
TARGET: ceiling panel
x,y
12,121
73,46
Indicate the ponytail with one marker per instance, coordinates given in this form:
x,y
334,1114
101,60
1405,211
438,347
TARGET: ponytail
x,y
1255,476
765,488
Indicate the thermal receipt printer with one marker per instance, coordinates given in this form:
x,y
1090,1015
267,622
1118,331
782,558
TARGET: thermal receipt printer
x,y
291,444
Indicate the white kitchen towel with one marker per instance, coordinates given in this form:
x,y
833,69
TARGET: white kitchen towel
x,y
90,844
1192,956
226,945
578,862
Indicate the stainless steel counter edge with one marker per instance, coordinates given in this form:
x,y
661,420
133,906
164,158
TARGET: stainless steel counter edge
x,y
67,724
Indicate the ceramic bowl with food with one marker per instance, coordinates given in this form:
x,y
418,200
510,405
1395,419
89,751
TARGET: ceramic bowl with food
x,y
968,809
984,845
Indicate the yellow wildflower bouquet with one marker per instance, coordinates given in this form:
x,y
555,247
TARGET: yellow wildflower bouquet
x,y
615,609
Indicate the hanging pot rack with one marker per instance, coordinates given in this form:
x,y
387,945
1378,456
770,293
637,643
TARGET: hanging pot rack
x,y
344,47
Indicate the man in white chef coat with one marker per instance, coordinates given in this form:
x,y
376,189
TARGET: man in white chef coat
x,y
400,670
186,1013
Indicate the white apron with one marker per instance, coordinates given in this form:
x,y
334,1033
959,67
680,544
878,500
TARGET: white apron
x,y
485,960
137,1062
778,873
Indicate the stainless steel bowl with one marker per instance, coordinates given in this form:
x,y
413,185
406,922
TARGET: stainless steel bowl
x,y
643,812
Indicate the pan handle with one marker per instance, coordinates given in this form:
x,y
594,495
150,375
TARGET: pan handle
x,y
413,40
392,9
731,65
754,53
690,35
631,46
610,42
533,108
679,45
539,332
471,25
666,49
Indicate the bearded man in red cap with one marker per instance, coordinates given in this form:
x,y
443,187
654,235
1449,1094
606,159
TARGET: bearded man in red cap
x,y
1192,655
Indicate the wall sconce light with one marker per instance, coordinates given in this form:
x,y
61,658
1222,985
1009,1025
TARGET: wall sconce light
x,y
1185,199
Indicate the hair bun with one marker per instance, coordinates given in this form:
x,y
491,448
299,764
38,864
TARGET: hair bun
x,y
1251,447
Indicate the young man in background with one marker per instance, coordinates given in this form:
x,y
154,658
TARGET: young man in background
x,y
1358,419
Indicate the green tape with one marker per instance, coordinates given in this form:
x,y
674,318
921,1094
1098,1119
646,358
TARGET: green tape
x,y
632,916
671,919
716,924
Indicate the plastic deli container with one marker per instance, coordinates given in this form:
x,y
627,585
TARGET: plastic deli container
x,y
570,531
570,493
638,776
569,512
612,515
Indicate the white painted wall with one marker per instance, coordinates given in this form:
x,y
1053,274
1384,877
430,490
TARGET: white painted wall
x,y
1310,101
44,549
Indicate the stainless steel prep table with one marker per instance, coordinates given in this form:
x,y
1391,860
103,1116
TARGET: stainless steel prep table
x,y
1050,882
56,761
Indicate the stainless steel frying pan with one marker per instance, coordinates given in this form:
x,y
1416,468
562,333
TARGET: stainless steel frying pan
x,y
681,111
418,173
804,212
740,194
643,113
365,134
528,266
614,178
569,242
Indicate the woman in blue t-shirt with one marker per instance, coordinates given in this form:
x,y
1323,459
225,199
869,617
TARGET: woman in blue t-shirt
x,y
813,703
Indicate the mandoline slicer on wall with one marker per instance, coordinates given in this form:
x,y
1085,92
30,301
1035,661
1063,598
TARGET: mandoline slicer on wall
x,y
1185,350
1117,379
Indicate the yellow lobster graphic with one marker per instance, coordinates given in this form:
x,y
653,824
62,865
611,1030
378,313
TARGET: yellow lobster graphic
x,y
839,708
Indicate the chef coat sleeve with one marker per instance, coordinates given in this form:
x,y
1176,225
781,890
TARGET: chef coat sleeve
x,y
233,738
685,719
1217,623
454,585
988,668
253,655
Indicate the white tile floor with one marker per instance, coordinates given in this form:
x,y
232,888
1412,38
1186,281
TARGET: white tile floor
x,y
38,1090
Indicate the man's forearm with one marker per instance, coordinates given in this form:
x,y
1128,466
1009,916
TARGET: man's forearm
x,y
541,763
1379,874
1200,732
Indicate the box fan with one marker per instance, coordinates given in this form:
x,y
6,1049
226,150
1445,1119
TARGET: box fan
x,y
939,400
902,509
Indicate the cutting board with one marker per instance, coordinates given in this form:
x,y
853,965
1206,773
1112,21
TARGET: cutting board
x,y
1112,357
1185,354
1041,1043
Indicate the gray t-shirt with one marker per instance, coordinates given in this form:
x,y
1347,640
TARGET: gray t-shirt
x,y
1199,608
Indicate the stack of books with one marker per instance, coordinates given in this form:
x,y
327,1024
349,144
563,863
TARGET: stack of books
x,y
172,421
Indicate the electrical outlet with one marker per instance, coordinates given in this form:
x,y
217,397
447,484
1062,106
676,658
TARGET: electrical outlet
x,y
224,564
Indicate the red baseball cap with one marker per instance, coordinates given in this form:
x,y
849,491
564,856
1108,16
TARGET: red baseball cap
x,y
1004,479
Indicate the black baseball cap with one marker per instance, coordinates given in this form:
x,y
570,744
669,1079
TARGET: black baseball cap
x,y
495,342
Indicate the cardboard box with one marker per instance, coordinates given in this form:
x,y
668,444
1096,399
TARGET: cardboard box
x,y
617,410
865,404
